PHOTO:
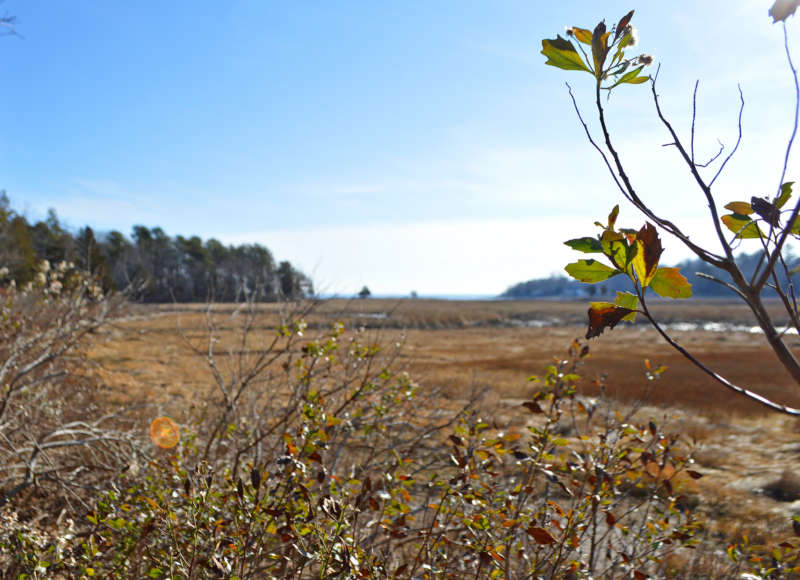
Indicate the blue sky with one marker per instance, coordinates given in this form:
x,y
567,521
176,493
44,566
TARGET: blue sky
x,y
403,145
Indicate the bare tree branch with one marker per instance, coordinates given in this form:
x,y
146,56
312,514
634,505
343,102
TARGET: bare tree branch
x,y
796,211
760,399
738,140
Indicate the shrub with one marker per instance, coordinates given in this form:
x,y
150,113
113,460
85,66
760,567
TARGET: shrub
x,y
60,439
331,464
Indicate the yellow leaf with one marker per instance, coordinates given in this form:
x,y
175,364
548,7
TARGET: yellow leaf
x,y
740,207
670,283
743,228
583,35
648,253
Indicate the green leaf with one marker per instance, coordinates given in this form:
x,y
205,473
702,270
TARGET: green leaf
x,y
631,77
670,283
621,50
786,193
562,54
741,225
629,301
618,252
590,271
586,245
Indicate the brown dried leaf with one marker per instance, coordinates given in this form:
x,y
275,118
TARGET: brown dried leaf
x,y
533,407
541,536
782,9
604,315
623,22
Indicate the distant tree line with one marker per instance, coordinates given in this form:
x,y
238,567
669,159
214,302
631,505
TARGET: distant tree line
x,y
557,286
159,267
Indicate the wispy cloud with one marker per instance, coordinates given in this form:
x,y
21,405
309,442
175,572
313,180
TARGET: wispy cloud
x,y
107,188
467,256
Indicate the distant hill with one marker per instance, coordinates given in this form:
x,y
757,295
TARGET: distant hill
x,y
565,287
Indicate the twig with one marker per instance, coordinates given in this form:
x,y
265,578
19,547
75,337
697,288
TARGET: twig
x,y
738,139
694,114
760,399
796,211
726,263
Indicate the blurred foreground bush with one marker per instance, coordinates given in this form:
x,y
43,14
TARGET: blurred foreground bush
x,y
317,458
60,438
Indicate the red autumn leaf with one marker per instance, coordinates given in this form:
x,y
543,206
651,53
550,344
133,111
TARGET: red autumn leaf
x,y
604,315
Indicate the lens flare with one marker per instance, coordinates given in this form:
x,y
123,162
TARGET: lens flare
x,y
165,432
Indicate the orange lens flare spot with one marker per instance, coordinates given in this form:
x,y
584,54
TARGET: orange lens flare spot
x,y
165,432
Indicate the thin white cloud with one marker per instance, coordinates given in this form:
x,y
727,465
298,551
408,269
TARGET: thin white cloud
x,y
445,257
101,187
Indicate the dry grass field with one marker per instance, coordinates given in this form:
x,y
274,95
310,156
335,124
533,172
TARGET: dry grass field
x,y
494,344
748,455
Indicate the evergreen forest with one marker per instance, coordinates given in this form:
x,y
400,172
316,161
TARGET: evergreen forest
x,y
150,265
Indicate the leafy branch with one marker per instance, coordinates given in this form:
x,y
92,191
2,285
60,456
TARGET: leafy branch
x,y
636,253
